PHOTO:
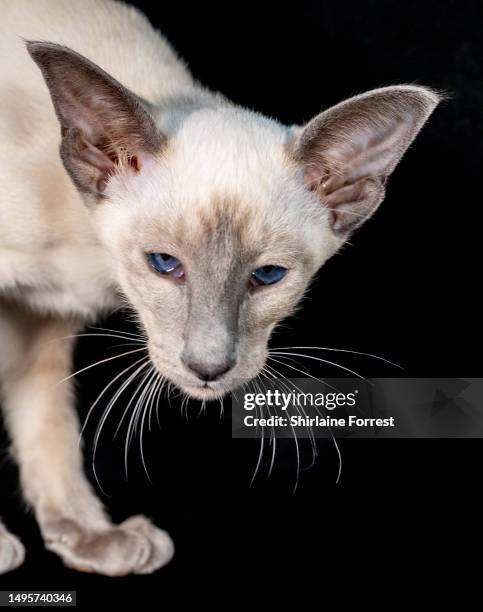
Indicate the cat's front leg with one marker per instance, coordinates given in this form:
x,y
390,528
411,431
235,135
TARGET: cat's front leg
x,y
45,439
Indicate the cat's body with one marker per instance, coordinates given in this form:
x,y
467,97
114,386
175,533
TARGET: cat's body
x,y
210,220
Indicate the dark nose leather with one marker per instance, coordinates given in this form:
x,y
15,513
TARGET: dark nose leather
x,y
209,371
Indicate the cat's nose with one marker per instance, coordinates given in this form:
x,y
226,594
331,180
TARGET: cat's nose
x,y
209,371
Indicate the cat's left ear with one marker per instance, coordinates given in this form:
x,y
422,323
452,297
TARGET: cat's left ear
x,y
348,151
104,126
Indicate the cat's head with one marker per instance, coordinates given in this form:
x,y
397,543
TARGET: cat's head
x,y
216,218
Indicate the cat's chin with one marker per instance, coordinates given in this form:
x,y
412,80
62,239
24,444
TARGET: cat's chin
x,y
205,392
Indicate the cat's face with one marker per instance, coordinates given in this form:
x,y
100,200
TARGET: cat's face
x,y
217,221
214,244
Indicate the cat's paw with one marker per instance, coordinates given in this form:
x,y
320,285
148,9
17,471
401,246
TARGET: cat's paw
x,y
135,546
12,552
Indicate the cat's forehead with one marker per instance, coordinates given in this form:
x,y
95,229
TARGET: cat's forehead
x,y
230,173
228,127
231,150
226,230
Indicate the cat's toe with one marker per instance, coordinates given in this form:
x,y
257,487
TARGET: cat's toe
x,y
115,551
162,547
12,552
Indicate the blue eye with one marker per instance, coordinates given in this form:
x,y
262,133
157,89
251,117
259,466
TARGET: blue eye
x,y
268,275
166,264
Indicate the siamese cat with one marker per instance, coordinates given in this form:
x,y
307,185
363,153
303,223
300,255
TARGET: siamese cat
x,y
209,219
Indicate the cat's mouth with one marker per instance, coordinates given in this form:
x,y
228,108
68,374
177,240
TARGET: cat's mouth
x,y
206,391
199,390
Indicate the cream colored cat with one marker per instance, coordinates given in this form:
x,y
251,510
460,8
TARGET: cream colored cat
x,y
208,218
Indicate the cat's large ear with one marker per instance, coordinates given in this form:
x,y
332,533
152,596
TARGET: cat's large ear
x,y
348,151
103,124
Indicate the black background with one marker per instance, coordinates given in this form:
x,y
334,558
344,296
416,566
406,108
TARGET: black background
x,y
407,288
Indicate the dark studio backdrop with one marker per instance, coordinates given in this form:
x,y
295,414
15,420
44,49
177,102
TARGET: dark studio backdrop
x,y
406,288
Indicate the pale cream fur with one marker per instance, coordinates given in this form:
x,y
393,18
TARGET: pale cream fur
x,y
228,191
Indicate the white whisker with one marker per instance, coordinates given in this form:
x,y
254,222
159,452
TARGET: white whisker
x,y
300,409
262,440
125,333
337,350
337,365
154,383
103,392
93,365
273,437
91,409
133,396
116,396
288,365
134,416
332,435
158,387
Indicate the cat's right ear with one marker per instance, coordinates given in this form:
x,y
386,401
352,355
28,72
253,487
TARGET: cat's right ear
x,y
104,126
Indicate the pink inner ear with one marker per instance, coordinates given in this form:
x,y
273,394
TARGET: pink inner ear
x,y
315,180
100,164
349,202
